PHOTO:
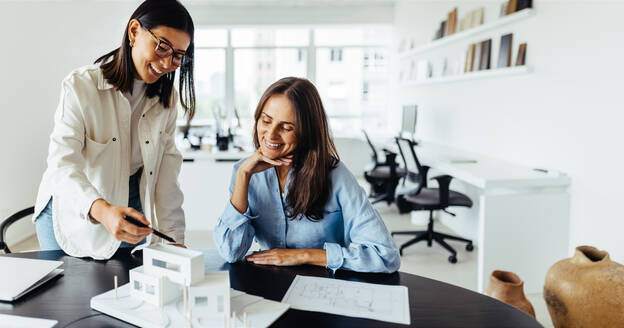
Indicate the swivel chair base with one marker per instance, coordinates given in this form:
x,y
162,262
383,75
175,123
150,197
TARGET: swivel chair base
x,y
430,236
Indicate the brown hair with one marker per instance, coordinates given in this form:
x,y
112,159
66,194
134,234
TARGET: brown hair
x,y
120,70
315,155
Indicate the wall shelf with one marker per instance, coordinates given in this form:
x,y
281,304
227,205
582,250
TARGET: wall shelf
x,y
522,14
491,73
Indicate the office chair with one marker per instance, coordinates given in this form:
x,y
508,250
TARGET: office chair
x,y
383,177
430,199
4,226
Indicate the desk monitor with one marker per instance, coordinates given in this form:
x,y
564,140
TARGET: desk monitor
x,y
408,125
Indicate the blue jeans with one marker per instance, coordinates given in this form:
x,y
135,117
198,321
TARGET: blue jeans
x,y
45,230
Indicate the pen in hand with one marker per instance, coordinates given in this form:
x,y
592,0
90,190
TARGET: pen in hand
x,y
143,225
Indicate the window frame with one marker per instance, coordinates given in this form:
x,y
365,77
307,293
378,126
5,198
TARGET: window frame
x,y
311,68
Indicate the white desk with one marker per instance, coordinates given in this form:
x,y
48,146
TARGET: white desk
x,y
520,218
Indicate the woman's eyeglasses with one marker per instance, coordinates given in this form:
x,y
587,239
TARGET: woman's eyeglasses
x,y
164,49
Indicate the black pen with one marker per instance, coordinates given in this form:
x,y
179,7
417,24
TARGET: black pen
x,y
156,232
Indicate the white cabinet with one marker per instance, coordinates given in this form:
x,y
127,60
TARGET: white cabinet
x,y
205,183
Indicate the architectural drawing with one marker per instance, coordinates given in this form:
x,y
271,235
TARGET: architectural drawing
x,y
354,299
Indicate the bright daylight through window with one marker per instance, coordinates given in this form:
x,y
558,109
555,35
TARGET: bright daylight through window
x,y
348,64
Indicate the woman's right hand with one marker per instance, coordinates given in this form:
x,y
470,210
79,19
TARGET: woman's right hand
x,y
258,163
112,217
254,164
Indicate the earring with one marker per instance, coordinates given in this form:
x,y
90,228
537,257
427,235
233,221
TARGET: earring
x,y
131,44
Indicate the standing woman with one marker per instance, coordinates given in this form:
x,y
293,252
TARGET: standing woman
x,y
112,151
295,197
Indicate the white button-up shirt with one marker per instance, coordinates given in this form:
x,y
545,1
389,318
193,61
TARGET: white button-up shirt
x,y
89,158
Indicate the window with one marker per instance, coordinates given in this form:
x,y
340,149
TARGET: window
x,y
349,66
166,265
220,303
353,80
201,301
256,69
209,82
149,289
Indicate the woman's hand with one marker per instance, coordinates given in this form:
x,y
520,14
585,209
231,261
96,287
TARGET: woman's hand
x,y
112,217
258,163
254,164
178,245
289,257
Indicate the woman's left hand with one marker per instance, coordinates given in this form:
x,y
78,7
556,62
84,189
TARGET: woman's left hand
x,y
278,256
288,257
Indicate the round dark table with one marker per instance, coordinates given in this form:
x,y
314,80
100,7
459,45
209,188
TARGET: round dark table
x,y
432,303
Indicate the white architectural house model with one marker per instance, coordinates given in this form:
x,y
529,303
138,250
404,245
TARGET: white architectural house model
x,y
171,289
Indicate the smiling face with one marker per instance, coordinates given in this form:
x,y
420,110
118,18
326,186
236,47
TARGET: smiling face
x,y
148,65
276,127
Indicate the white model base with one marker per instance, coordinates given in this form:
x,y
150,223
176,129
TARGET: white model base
x,y
258,311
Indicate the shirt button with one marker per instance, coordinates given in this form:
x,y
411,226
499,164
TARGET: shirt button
x,y
150,172
146,141
114,139
143,115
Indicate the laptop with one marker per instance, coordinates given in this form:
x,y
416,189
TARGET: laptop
x,y
18,276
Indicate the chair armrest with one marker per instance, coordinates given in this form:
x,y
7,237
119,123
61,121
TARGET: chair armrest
x,y
4,226
423,175
444,181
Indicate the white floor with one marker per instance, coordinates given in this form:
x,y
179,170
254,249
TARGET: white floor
x,y
417,259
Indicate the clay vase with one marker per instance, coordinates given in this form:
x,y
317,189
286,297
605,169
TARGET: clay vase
x,y
586,290
507,287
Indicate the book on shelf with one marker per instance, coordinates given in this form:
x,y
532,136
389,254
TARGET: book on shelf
x,y
520,59
524,4
442,29
503,9
511,6
469,58
423,71
476,58
504,54
477,18
451,22
484,61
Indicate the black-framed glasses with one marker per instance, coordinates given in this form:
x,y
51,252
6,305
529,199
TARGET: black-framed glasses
x,y
164,49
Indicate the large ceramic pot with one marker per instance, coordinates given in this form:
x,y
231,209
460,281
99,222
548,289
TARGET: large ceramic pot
x,y
586,290
508,287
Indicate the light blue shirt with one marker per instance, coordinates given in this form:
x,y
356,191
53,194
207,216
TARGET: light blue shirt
x,y
351,231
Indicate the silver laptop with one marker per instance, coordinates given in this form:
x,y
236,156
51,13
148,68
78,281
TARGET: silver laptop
x,y
19,276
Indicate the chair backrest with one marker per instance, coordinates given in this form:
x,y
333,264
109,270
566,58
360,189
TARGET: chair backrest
x,y
370,144
4,226
416,172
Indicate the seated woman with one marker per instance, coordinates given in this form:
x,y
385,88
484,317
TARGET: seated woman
x,y
295,197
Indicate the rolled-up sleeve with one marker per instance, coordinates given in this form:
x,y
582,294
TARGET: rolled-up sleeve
x,y
370,247
234,233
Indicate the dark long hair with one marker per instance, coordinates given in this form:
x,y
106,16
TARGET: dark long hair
x,y
120,70
315,155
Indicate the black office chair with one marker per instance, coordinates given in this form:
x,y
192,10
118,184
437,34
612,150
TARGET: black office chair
x,y
430,199
383,177
4,226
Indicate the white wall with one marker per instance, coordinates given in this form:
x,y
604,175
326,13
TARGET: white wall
x,y
565,115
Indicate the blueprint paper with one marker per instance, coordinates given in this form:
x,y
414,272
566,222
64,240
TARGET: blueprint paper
x,y
349,298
